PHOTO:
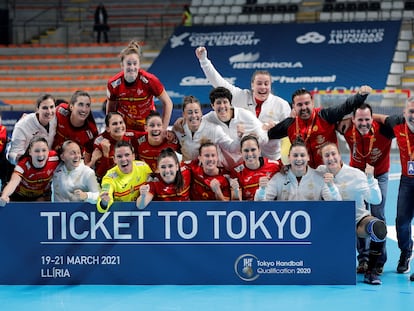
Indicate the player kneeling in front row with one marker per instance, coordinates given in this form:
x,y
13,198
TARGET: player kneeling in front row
x,y
356,186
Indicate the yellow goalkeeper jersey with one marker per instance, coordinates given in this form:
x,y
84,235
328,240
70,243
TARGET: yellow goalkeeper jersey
x,y
123,187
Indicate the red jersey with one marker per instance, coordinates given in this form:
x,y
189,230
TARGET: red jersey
x,y
3,138
83,135
318,129
105,163
249,179
134,100
405,142
149,154
200,182
373,148
168,192
315,132
35,181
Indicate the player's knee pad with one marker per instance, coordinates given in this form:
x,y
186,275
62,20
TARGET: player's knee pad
x,y
377,230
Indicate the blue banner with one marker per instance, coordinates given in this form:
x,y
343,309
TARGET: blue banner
x,y
185,243
315,56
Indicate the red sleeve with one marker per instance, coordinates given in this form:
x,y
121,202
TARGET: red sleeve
x,y
3,138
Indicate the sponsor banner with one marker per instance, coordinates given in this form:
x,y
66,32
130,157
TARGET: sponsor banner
x,y
315,56
185,243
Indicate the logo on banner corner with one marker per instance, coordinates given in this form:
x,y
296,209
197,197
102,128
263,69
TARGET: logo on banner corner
x,y
310,37
244,57
245,267
178,40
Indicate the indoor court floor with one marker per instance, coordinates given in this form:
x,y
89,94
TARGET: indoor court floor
x,y
396,292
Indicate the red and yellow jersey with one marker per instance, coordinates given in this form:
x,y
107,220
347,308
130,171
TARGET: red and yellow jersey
x,y
149,153
249,179
134,100
169,192
35,182
405,142
200,182
372,148
84,135
315,132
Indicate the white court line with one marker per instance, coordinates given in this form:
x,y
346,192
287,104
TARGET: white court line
x,y
394,176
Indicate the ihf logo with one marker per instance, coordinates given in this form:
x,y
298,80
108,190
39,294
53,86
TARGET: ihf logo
x,y
246,267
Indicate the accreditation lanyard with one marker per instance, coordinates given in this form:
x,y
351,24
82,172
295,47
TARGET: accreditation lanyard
x,y
355,147
410,154
309,129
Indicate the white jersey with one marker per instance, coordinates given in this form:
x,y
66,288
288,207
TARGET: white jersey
x,y
286,187
353,185
248,121
65,182
25,129
190,142
274,108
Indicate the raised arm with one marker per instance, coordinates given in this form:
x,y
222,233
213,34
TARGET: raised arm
x,y
167,107
145,197
210,71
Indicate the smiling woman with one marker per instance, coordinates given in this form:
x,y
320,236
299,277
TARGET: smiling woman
x,y
131,92
122,182
32,175
170,183
75,121
104,144
41,123
73,180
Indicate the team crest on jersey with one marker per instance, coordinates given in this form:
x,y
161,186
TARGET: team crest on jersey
x,y
99,139
239,168
143,79
113,175
142,139
139,163
63,111
152,178
116,83
320,139
89,133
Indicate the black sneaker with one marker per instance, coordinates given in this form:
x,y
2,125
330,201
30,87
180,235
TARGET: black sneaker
x,y
362,267
372,278
412,277
403,264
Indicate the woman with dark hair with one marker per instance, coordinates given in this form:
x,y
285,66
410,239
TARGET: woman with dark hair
x,y
121,183
252,171
155,139
76,122
104,144
32,175
298,181
209,181
42,123
171,183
